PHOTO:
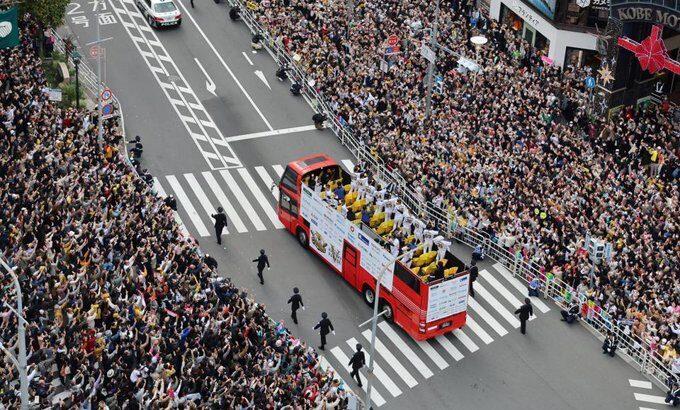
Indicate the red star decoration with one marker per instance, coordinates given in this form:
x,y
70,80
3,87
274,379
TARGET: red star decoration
x,y
651,53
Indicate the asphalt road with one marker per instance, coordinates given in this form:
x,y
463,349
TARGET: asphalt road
x,y
207,147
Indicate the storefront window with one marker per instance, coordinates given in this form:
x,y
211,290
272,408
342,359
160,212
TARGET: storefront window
x,y
579,57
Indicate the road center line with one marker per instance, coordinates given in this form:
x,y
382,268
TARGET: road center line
x,y
269,133
231,73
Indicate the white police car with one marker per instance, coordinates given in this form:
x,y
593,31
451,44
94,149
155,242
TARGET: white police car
x,y
160,12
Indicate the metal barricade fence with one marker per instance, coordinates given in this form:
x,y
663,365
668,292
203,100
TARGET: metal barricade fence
x,y
637,350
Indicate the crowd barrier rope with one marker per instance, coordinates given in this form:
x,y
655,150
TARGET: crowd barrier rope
x,y
638,351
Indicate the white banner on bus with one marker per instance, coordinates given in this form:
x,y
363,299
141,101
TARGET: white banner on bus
x,y
447,298
327,231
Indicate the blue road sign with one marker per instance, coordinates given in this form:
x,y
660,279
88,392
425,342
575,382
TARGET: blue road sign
x,y
590,82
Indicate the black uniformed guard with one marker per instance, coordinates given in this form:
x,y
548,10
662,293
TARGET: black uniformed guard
x,y
525,312
325,326
474,273
262,261
296,303
220,223
357,362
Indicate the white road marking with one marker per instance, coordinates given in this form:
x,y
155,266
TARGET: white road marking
x,y
378,371
643,384
226,67
649,398
433,354
269,133
478,330
236,190
519,286
484,314
279,170
405,350
342,358
449,347
216,158
264,176
209,83
465,340
264,203
391,360
224,202
186,204
247,58
202,197
262,78
157,184
348,165
646,408
488,276
491,299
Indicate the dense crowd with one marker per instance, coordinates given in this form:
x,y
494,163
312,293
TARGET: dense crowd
x,y
510,151
122,310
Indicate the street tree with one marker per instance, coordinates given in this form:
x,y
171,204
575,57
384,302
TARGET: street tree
x,y
49,13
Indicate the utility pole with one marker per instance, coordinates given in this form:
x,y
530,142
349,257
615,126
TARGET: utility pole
x,y
430,67
20,362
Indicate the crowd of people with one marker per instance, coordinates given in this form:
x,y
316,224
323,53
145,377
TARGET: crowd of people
x,y
511,150
122,311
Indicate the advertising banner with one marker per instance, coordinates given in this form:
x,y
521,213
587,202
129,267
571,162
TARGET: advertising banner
x,y
447,298
9,29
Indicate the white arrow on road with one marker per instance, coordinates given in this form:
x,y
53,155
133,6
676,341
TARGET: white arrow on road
x,y
209,83
261,76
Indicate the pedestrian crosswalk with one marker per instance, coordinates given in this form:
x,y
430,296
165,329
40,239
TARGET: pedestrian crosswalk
x,y
400,363
645,398
248,196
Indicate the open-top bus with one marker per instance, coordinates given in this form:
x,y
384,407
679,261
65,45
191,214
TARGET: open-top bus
x,y
423,307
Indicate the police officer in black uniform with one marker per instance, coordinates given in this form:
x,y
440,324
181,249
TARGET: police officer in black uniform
x,y
525,312
325,327
262,261
357,362
296,303
220,223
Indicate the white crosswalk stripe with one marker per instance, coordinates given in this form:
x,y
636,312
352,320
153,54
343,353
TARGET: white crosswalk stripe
x,y
342,358
391,360
486,316
202,197
225,202
241,198
449,347
478,330
380,374
519,286
159,188
266,206
649,398
490,299
186,204
264,176
434,355
643,384
496,284
279,170
465,340
405,350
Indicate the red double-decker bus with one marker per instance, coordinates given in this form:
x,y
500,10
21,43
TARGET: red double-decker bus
x,y
423,308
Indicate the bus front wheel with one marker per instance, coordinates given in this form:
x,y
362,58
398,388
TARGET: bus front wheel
x,y
302,238
389,313
369,295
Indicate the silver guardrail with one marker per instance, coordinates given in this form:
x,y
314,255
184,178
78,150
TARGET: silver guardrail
x,y
637,350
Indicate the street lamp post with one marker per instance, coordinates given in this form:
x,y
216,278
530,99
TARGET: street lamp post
x,y
374,319
21,333
478,41
75,56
